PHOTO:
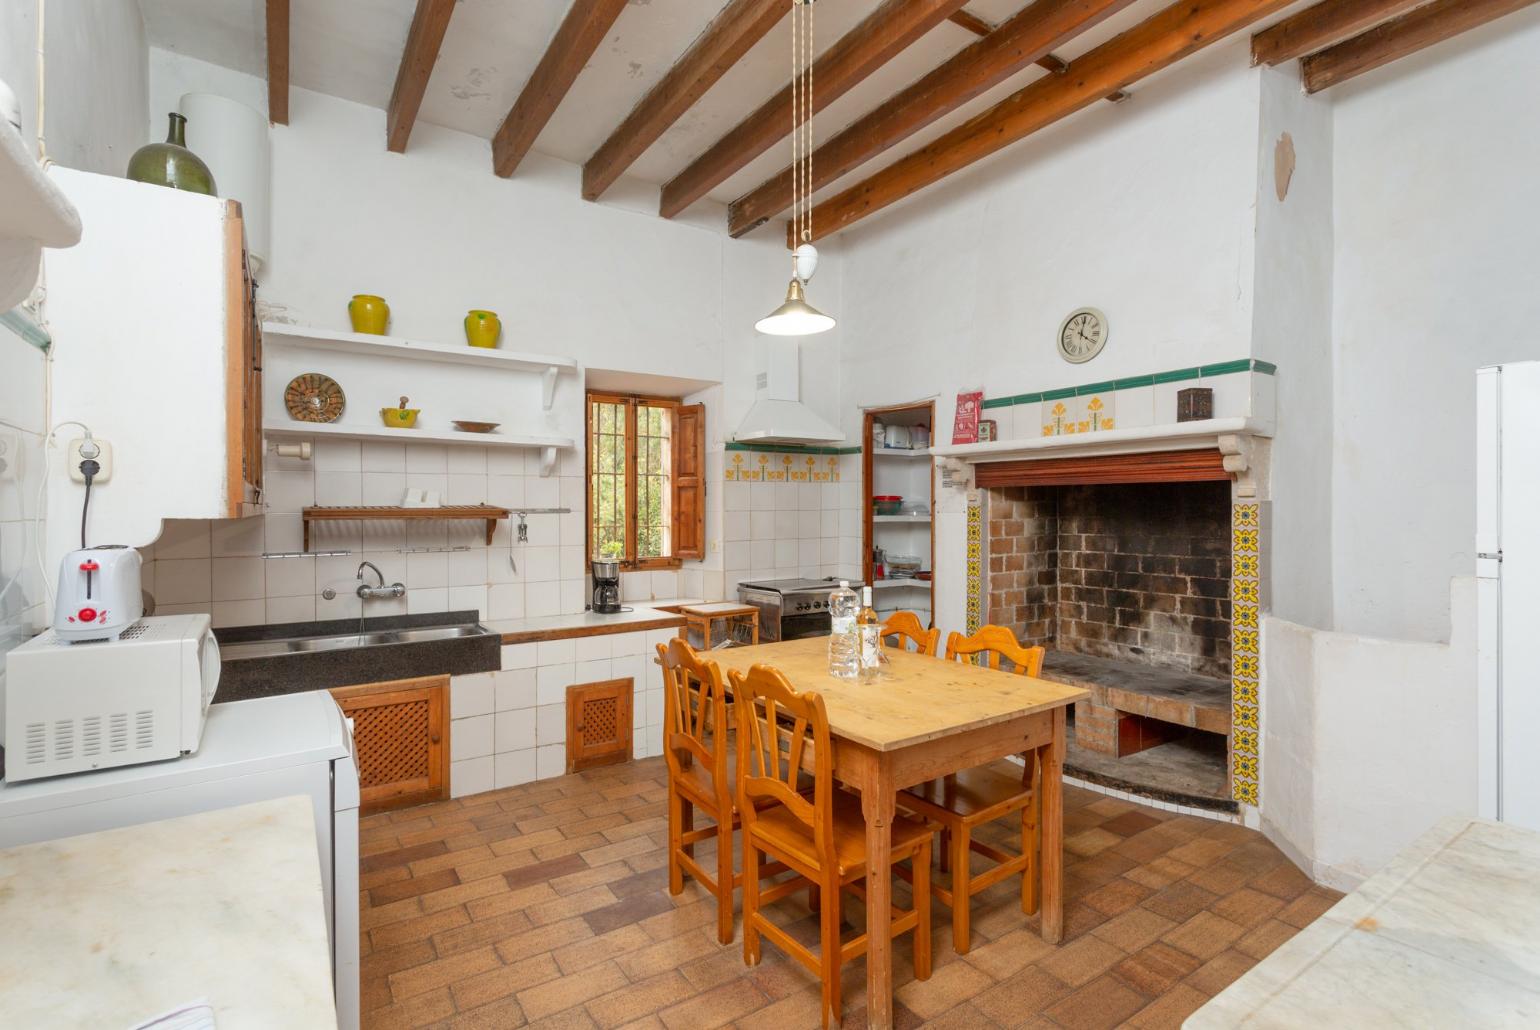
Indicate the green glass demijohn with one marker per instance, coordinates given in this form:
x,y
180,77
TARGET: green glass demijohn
x,y
171,163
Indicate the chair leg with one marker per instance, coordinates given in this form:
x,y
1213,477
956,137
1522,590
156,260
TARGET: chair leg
x,y
921,866
829,952
750,902
676,806
813,904
961,898
725,879
1029,845
944,856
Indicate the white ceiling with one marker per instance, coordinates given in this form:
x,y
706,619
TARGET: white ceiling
x,y
352,48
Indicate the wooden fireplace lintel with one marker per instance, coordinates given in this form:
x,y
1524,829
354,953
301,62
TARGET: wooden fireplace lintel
x,y
1184,466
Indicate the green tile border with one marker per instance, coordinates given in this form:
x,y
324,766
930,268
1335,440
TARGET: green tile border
x,y
1177,375
787,448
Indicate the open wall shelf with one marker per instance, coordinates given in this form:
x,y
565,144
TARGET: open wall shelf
x,y
908,473
377,512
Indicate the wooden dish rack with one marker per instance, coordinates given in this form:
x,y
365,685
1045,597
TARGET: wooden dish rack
x,y
489,513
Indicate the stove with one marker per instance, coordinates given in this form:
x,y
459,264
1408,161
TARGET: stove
x,y
791,609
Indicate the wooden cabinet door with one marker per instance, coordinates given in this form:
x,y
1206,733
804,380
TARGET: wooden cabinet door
x,y
598,724
400,739
243,373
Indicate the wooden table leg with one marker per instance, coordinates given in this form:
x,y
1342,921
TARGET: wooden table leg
x,y
877,805
1051,774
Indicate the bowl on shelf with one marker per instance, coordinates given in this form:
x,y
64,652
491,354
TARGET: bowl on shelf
x,y
903,566
886,504
401,417
914,508
474,427
313,397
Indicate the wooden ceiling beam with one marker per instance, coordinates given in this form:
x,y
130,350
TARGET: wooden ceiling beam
x,y
983,27
1155,43
1318,27
731,34
1389,41
1017,43
429,24
278,61
880,37
579,35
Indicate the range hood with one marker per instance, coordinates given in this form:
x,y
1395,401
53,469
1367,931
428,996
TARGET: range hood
x,y
778,416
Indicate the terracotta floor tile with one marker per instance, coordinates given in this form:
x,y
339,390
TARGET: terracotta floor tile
x,y
554,896
1101,1004
1204,935
1220,971
1021,996
636,1000
567,991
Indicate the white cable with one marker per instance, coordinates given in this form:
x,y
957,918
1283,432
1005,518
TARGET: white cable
x,y
42,81
37,518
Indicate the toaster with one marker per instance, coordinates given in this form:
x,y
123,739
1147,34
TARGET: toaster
x,y
99,595
74,707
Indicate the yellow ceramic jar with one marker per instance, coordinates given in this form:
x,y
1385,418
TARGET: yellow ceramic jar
x,y
370,314
482,328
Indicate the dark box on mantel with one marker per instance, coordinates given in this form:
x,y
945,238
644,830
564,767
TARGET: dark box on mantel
x,y
1194,404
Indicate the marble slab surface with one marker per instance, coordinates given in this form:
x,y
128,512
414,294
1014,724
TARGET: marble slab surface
x,y
113,928
1446,935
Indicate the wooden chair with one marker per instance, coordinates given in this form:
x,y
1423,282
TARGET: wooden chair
x,y
698,751
971,798
906,626
821,838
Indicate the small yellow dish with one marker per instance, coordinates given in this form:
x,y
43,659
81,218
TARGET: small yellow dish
x,y
402,417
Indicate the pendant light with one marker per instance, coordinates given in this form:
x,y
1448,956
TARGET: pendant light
x,y
797,317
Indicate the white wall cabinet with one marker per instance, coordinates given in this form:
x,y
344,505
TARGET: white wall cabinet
x,y
155,349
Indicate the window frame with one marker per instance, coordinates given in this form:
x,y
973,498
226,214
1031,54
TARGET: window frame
x,y
632,402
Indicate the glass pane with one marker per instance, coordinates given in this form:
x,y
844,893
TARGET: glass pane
x,y
607,484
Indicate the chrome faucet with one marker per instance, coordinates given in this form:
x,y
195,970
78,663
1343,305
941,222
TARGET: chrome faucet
x,y
367,592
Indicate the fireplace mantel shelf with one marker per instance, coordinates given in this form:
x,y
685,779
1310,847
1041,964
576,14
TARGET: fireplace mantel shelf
x,y
1171,437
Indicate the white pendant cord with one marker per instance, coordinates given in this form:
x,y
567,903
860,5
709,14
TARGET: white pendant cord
x,y
802,59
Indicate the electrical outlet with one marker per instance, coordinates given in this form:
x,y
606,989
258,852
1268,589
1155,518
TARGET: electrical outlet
x,y
104,459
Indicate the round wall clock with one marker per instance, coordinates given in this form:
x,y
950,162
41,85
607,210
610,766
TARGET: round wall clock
x,y
1082,335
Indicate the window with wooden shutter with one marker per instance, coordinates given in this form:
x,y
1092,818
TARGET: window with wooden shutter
x,y
690,481
646,482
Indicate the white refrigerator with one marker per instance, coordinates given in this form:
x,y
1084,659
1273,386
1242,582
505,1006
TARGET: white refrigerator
x,y
272,747
1508,591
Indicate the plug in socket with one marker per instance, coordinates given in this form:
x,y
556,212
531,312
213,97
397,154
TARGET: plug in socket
x,y
103,459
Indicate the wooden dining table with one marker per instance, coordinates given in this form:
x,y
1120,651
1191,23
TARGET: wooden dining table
x,y
921,718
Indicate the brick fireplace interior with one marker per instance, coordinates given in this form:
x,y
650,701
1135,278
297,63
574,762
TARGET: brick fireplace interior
x,y
1128,586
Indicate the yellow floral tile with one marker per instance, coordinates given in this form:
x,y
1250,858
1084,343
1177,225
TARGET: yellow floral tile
x,y
1243,641
1245,792
1248,516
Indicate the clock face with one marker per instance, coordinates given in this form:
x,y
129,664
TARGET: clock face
x,y
1083,335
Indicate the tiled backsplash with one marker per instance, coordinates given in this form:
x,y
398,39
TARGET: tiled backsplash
x,y
217,566
780,526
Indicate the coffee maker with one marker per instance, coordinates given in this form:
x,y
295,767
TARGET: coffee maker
x,y
606,596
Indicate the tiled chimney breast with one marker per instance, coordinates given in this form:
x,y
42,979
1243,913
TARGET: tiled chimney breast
x,y
1138,571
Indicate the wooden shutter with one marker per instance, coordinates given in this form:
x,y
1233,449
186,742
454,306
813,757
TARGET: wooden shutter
x,y
598,724
689,474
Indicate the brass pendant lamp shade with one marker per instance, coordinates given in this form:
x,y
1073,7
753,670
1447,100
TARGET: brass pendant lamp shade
x,y
796,317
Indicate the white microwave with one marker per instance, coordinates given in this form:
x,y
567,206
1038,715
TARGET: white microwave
x,y
75,707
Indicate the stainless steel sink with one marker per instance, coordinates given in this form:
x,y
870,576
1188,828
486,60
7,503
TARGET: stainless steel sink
x,y
343,641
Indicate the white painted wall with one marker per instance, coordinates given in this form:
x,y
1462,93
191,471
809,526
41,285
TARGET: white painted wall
x,y
1143,209
96,78
1437,272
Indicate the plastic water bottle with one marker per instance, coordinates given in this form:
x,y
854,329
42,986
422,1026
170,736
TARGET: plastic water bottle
x,y
844,650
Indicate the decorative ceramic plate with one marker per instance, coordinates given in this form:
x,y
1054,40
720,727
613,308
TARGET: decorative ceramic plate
x,y
475,427
313,397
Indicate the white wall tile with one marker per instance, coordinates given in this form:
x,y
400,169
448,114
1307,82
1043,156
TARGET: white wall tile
x,y
542,564
470,738
185,581
551,724
430,458
467,460
574,596
515,689
541,600
468,599
589,649
551,683
239,613
520,656
735,496
426,570
238,579
290,609
380,456
230,538
289,577
513,768
665,584
466,489
473,776
286,492
336,456
425,600
514,730
339,488
551,760
556,652
785,554
594,671
786,524
470,695
184,538
383,487
631,666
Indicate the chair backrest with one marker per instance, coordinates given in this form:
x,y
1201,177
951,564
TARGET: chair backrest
x,y
777,727
996,642
694,714
908,628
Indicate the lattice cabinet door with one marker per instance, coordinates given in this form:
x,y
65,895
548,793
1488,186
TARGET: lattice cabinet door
x,y
598,724
401,740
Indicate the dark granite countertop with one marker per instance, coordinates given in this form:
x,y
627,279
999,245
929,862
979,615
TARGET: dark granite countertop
x,y
243,678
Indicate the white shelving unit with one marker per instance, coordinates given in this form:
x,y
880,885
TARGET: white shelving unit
x,y
537,399
906,472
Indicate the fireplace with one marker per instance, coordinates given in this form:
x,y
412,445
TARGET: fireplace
x,y
1122,569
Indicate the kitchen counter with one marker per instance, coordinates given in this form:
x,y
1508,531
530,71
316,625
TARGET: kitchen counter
x,y
652,615
114,928
1446,935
